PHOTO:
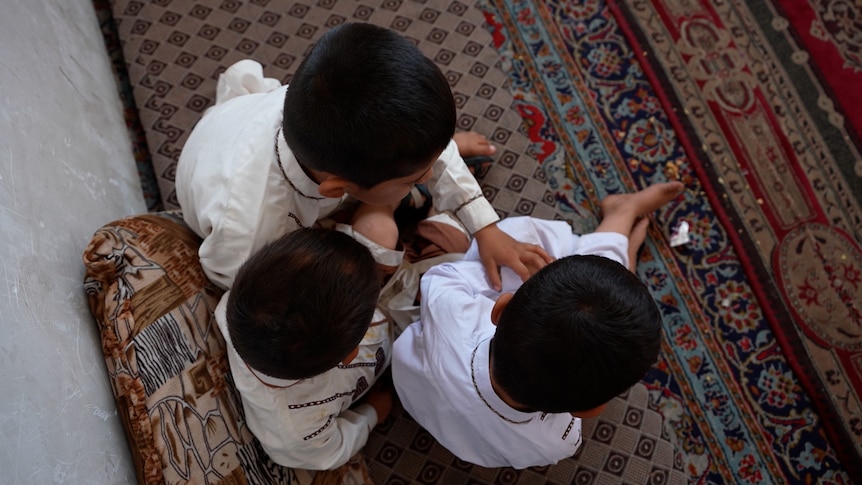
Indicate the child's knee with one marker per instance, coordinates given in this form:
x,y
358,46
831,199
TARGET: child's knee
x,y
377,224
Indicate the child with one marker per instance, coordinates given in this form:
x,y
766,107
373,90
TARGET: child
x,y
367,116
301,359
576,334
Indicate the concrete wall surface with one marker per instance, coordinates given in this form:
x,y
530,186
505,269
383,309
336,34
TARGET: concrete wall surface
x,y
66,168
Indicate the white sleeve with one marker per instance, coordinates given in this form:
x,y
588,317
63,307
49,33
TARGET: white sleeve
x,y
451,294
230,244
611,245
219,264
327,448
243,77
557,239
453,188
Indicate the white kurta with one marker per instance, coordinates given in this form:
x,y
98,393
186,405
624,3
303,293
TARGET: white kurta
x,y
440,364
240,186
307,423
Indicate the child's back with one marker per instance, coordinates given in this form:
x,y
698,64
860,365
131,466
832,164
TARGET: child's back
x,y
502,379
441,365
299,355
265,163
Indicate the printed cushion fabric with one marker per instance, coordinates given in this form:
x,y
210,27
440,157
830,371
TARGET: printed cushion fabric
x,y
167,364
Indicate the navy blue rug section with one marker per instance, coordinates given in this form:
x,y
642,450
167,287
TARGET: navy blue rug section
x,y
141,152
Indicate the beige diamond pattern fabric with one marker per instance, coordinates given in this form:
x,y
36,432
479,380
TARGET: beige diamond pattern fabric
x,y
175,50
624,445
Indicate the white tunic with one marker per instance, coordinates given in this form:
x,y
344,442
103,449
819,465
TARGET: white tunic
x,y
240,186
307,423
440,363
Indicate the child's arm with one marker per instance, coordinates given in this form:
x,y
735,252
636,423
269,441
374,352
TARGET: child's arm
x,y
453,188
496,249
380,398
309,441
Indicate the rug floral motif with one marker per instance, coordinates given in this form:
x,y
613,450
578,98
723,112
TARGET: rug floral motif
x,y
600,125
776,117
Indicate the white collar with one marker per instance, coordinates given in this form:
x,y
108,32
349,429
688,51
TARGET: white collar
x,y
293,172
481,375
271,381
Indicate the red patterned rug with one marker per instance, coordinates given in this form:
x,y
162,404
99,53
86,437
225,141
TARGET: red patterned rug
x,y
767,109
601,123
829,33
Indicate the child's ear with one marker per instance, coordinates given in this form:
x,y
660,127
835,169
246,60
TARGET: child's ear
x,y
591,413
333,187
349,357
499,306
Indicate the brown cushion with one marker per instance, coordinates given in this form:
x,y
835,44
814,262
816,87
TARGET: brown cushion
x,y
166,360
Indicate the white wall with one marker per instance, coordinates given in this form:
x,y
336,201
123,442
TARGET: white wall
x,y
66,168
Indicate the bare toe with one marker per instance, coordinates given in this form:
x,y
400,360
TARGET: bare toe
x,y
472,144
644,201
636,240
639,231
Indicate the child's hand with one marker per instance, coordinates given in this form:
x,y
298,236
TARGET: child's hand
x,y
496,249
380,398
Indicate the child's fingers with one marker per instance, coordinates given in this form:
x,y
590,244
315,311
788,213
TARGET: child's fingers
x,y
535,260
547,258
493,272
519,266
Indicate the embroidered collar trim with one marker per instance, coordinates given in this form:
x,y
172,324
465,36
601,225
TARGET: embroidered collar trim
x,y
270,381
480,373
292,171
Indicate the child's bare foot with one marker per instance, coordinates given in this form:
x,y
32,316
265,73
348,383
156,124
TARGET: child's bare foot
x,y
636,240
642,202
620,212
472,144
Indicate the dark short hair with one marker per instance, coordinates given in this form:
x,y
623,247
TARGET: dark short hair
x,y
302,303
368,106
575,335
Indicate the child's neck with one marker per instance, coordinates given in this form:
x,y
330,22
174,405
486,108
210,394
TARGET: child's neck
x,y
499,390
314,175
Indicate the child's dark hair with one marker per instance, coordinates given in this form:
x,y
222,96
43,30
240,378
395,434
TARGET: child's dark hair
x,y
368,106
302,303
578,333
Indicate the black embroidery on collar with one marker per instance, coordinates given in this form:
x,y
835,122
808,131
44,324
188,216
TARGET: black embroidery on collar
x,y
476,386
284,172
